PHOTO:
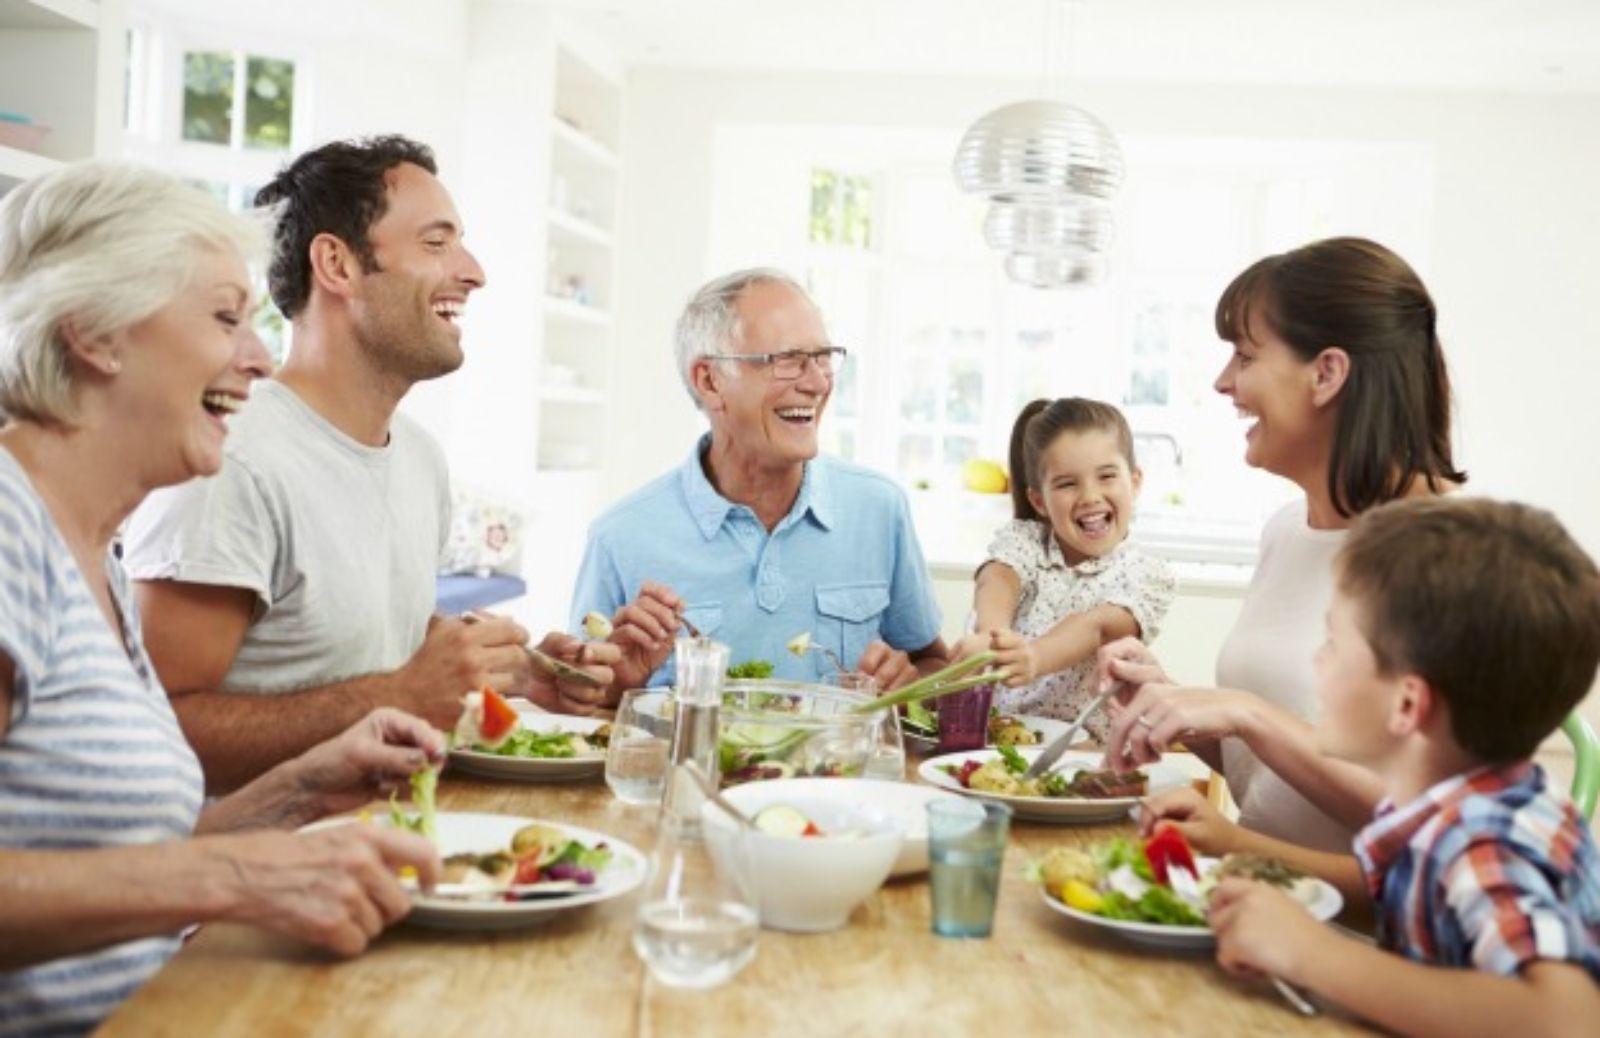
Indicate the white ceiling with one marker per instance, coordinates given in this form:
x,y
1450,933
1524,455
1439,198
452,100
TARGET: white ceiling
x,y
1542,45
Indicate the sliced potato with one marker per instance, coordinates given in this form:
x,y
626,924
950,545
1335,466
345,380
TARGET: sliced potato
x,y
540,842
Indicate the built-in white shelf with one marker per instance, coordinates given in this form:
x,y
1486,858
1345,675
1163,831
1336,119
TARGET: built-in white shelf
x,y
571,395
567,310
578,143
570,226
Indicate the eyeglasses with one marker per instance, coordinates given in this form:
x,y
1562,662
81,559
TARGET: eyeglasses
x,y
790,364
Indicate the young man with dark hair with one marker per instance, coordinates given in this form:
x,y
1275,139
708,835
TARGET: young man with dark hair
x,y
1461,633
285,598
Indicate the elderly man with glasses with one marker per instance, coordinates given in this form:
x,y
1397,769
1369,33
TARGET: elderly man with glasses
x,y
755,539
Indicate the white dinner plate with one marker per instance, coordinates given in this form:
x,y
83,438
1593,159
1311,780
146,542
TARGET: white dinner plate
x,y
537,769
1321,899
465,832
1047,727
1162,775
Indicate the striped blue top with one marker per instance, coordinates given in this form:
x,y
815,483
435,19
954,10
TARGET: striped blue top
x,y
93,756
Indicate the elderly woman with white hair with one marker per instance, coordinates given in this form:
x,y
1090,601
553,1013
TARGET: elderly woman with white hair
x,y
125,342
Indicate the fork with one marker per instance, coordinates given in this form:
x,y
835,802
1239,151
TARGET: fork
x,y
551,665
1051,753
1187,886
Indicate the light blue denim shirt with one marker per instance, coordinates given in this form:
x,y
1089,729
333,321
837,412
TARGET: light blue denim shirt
x,y
844,564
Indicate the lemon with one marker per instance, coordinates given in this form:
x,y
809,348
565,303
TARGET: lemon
x,y
984,477
1080,895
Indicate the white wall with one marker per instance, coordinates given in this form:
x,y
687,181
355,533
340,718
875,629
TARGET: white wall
x,y
1512,263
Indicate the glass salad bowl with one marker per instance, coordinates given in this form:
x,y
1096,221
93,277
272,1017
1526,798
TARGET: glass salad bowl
x,y
773,729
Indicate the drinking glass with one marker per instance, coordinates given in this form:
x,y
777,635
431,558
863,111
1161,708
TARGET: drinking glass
x,y
636,757
964,719
697,921
696,924
966,845
888,759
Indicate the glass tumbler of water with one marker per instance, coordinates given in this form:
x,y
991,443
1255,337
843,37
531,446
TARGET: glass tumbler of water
x,y
697,922
966,846
636,755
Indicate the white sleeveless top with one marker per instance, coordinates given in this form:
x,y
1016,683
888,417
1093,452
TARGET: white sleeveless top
x,y
1269,652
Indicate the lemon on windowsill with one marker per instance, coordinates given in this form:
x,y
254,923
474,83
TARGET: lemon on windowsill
x,y
984,477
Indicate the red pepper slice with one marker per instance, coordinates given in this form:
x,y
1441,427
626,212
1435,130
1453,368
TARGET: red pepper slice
x,y
527,871
1167,849
498,716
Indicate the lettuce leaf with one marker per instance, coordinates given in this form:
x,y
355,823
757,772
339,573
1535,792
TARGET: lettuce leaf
x,y
424,784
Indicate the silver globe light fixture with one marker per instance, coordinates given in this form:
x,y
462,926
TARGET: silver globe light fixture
x,y
1051,169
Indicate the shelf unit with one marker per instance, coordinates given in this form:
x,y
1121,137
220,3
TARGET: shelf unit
x,y
539,187
580,273
61,65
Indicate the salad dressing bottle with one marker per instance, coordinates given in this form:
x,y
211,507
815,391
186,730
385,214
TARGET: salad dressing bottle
x,y
697,920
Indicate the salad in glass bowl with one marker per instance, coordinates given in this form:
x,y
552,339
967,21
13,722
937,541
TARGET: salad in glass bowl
x,y
773,729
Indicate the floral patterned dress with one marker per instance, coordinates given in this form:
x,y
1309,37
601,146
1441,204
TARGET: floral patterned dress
x,y
1052,590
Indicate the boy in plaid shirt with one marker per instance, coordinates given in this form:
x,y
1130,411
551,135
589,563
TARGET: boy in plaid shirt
x,y
1460,633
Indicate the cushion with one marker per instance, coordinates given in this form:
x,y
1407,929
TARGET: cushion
x,y
485,536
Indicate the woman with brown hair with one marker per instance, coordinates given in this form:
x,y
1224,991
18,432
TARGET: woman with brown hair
x,y
1337,360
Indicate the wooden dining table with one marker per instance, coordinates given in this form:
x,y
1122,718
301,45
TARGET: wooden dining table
x,y
577,976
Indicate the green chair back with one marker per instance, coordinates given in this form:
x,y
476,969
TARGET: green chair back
x,y
1585,763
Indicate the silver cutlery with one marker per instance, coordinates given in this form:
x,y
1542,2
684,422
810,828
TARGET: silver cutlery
x,y
552,666
1052,753
1186,886
514,892
1292,995
714,795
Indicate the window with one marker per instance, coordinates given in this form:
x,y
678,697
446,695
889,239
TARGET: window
x,y
223,117
945,350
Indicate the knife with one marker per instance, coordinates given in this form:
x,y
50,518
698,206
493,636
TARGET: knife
x,y
1052,753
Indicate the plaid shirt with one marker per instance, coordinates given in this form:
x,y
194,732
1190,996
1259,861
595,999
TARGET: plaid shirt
x,y
1485,870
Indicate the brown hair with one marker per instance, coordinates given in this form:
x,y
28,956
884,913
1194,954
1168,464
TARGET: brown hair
x,y
341,189
1492,603
1394,410
1038,426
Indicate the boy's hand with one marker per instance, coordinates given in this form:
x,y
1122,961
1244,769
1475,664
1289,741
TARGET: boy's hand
x,y
1016,654
1261,930
1201,824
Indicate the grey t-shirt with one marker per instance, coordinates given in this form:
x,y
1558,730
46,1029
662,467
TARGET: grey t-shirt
x,y
339,541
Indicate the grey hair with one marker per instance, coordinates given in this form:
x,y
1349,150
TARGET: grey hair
x,y
710,323
103,245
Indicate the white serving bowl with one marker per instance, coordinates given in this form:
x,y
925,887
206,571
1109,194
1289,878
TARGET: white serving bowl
x,y
905,801
809,884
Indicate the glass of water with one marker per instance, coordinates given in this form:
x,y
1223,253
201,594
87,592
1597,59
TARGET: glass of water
x,y
966,845
636,756
697,919
888,760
